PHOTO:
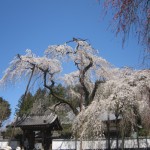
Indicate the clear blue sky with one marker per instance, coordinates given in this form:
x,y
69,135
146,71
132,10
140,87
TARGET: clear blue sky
x,y
35,24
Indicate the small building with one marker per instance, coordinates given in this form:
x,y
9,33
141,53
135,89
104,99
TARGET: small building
x,y
37,127
110,124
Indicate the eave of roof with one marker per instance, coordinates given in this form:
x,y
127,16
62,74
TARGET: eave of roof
x,y
38,122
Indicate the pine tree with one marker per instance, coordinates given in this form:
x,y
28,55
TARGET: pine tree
x,y
5,110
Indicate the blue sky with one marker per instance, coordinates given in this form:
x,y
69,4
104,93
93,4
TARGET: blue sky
x,y
35,24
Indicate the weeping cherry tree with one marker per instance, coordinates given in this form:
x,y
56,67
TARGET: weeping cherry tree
x,y
90,71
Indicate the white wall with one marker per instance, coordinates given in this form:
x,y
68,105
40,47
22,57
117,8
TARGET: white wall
x,y
62,144
13,144
72,144
3,144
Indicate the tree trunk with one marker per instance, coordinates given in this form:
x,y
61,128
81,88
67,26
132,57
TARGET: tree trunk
x,y
138,139
117,131
146,142
108,133
80,143
122,146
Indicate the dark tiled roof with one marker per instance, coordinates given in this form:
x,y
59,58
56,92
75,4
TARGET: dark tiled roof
x,y
37,120
50,120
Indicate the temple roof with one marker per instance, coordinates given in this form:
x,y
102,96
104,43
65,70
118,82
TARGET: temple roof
x,y
39,121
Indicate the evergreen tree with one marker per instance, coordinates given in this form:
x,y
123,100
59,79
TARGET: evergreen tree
x,y
24,105
5,110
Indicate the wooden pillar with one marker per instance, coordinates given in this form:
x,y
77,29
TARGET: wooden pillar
x,y
46,139
29,139
24,139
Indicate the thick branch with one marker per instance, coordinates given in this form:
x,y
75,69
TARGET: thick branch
x,y
97,83
45,72
62,100
82,80
76,40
